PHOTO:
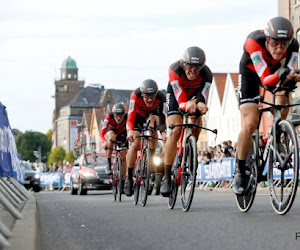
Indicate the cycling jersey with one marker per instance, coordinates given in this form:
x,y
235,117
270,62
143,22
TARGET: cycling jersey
x,y
184,89
139,111
109,123
257,58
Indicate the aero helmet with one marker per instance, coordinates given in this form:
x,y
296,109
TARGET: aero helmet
x,y
279,28
194,56
118,108
149,87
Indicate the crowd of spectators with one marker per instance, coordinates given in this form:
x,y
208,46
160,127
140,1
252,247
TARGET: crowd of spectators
x,y
61,167
227,149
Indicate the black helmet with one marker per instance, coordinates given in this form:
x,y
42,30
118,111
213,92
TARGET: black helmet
x,y
149,87
118,108
279,28
194,56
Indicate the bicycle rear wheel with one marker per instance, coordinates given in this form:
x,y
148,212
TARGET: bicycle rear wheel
x,y
283,168
136,185
245,201
145,176
120,177
189,172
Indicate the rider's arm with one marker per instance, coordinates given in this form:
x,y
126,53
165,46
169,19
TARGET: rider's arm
x,y
131,112
260,65
104,127
178,89
162,112
202,95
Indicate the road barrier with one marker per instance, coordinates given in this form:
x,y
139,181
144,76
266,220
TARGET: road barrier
x,y
12,194
52,181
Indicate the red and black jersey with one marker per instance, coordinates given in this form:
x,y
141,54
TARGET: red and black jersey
x,y
184,89
137,106
109,123
257,58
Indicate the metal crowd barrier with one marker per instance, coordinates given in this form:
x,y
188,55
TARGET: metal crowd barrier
x,y
12,197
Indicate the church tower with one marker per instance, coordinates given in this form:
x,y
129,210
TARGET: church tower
x,y
65,90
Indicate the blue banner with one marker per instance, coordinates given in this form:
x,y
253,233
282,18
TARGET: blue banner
x,y
10,162
51,179
216,171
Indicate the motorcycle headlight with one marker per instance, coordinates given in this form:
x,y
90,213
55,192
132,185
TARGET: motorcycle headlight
x,y
36,176
156,160
89,174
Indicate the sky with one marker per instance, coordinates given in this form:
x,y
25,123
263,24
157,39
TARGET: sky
x,y
115,43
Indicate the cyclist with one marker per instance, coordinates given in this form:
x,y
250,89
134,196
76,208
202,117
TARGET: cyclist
x,y
189,83
114,129
269,58
146,103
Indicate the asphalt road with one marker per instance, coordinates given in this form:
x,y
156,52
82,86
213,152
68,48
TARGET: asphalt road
x,y
213,222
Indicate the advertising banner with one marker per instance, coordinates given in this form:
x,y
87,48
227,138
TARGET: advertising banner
x,y
73,132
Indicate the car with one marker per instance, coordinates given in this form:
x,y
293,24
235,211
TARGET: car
x,y
32,179
88,173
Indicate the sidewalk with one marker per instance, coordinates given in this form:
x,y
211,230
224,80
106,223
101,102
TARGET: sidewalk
x,y
24,231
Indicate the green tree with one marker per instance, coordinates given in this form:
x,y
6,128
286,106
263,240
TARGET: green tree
x,y
57,155
70,157
30,141
49,135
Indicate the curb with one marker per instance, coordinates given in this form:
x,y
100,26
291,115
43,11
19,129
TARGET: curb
x,y
25,232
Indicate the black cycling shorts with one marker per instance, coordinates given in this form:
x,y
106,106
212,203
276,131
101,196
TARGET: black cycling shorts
x,y
249,83
172,104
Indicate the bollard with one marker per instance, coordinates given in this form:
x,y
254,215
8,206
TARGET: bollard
x,y
3,242
11,200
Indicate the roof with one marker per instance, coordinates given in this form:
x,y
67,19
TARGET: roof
x,y
121,95
235,79
69,63
87,98
220,80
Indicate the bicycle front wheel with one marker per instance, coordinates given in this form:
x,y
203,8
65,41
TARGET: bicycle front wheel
x,y
120,177
113,184
283,168
145,176
245,201
189,172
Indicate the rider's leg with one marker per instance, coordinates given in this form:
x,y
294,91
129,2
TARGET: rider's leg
x,y
110,136
131,159
170,152
281,100
124,163
249,121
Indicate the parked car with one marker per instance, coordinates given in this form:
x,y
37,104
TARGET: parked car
x,y
32,179
88,173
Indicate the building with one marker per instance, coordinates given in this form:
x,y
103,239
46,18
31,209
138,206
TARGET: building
x,y
73,100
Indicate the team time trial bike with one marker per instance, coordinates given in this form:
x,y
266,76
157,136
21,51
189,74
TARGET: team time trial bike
x,y
184,169
116,178
143,166
280,155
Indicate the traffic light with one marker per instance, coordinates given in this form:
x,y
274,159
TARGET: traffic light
x,y
38,154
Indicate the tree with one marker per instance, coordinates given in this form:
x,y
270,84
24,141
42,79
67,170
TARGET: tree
x,y
57,155
70,156
49,135
30,141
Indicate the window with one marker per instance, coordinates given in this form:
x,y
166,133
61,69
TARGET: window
x,y
69,76
62,88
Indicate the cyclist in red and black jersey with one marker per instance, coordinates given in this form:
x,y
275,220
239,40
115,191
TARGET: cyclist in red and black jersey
x,y
269,58
146,103
114,129
188,88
